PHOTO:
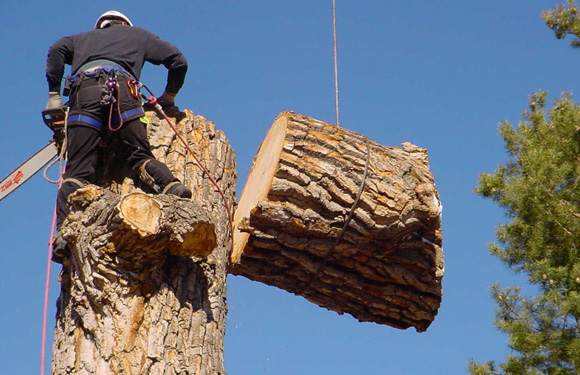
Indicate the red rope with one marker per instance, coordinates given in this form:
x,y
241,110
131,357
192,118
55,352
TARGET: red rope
x,y
152,100
47,280
118,101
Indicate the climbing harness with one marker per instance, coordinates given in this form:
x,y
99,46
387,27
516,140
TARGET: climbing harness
x,y
111,86
152,100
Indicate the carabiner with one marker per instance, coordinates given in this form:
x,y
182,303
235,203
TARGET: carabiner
x,y
133,88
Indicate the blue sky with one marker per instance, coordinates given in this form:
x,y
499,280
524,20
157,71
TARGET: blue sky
x,y
439,74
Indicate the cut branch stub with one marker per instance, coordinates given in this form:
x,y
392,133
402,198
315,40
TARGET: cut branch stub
x,y
141,213
300,227
151,227
144,214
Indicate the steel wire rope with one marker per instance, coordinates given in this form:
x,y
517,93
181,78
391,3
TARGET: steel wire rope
x,y
346,222
335,52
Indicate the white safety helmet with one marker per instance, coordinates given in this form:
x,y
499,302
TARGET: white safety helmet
x,y
112,15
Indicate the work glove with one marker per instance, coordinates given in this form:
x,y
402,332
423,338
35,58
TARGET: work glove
x,y
54,100
167,99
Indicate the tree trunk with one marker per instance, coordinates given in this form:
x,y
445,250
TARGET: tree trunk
x,y
301,225
144,289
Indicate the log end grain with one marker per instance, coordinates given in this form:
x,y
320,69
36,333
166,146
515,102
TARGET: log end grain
x,y
259,181
141,212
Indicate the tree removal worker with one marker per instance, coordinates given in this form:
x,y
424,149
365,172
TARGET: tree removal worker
x,y
104,95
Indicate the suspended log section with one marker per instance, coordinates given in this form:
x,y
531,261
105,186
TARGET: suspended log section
x,y
343,221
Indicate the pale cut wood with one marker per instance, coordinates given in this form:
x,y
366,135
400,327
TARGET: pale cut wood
x,y
144,290
386,266
258,182
144,214
141,213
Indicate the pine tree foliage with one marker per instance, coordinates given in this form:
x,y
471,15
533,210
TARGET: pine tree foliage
x,y
564,20
539,190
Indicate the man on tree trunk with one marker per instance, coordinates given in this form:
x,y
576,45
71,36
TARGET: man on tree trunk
x,y
105,102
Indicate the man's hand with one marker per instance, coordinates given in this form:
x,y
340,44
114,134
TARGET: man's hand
x,y
54,100
167,99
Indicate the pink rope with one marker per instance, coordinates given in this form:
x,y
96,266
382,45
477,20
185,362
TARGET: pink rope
x,y
47,280
46,293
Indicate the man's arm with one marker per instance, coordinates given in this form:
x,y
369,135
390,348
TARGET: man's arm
x,y
162,52
59,54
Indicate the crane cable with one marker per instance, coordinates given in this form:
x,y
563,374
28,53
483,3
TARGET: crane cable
x,y
350,215
334,45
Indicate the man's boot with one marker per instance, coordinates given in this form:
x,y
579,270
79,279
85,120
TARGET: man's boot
x,y
155,175
178,189
60,249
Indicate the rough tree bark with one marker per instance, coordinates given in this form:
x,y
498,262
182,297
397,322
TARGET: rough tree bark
x,y
144,290
385,266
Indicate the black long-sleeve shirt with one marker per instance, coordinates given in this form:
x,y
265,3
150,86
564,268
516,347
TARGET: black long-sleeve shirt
x,y
128,46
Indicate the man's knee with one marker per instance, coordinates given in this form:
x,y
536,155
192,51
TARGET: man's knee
x,y
70,185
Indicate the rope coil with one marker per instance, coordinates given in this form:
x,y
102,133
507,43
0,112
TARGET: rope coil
x,y
61,157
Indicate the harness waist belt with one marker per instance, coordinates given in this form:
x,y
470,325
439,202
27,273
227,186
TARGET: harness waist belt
x,y
93,70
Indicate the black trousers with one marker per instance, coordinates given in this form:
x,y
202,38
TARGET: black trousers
x,y
83,152
83,142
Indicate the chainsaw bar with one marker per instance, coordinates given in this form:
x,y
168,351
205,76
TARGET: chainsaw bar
x,y
27,169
